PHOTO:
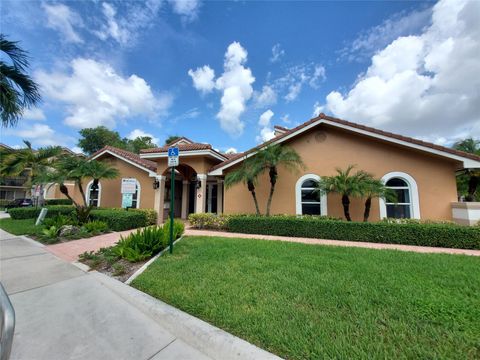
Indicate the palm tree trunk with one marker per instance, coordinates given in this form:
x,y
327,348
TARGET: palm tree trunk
x,y
472,187
368,205
251,188
80,188
273,181
346,207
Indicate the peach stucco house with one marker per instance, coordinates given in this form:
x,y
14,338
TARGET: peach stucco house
x,y
422,173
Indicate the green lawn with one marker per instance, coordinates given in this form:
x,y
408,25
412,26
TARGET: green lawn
x,y
20,227
311,302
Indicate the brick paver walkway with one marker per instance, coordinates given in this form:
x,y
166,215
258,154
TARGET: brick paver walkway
x,y
70,250
419,249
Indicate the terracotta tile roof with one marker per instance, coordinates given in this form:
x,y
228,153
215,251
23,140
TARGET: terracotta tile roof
x,y
179,139
357,126
150,165
282,128
181,147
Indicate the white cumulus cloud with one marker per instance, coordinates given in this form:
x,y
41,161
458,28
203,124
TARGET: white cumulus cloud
x,y
140,133
424,85
266,131
203,78
94,94
39,135
266,97
33,114
235,83
60,17
187,9
231,150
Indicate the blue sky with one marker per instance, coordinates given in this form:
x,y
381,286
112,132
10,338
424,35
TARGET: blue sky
x,y
226,72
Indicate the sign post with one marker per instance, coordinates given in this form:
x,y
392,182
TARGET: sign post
x,y
173,154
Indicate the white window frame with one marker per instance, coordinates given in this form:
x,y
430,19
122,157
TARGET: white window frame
x,y
298,195
139,193
413,192
87,195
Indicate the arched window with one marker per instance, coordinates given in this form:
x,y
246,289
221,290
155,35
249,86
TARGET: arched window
x,y
405,188
308,200
94,194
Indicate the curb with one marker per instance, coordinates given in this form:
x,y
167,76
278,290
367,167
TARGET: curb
x,y
208,339
148,263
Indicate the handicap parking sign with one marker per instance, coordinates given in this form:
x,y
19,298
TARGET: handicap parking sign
x,y
173,154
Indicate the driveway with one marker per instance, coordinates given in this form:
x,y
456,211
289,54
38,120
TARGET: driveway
x,y
63,313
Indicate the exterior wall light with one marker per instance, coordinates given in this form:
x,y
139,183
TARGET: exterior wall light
x,y
156,184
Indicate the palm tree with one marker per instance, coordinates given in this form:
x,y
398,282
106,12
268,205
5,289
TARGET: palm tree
x,y
271,158
27,160
373,188
17,90
77,169
248,175
346,184
468,179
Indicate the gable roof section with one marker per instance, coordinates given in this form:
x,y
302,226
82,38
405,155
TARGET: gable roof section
x,y
469,160
186,149
134,159
182,139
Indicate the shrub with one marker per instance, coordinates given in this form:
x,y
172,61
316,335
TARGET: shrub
x,y
59,220
208,221
144,243
4,202
58,202
50,234
150,214
178,230
440,235
32,212
96,226
119,220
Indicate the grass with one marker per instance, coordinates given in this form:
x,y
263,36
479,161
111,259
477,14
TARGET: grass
x,y
20,227
311,302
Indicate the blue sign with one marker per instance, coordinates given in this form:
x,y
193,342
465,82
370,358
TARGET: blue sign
x,y
173,151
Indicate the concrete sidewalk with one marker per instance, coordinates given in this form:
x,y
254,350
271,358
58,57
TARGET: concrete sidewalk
x,y
63,313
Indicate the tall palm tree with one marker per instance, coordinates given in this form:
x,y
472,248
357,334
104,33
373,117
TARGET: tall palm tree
x,y
468,179
346,184
27,160
78,169
248,175
374,188
17,89
270,159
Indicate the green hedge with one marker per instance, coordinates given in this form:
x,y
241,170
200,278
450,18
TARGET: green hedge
x,y
438,235
33,212
58,202
119,220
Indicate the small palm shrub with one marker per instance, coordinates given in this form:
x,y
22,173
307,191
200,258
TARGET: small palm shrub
x,y
59,221
147,242
96,226
50,234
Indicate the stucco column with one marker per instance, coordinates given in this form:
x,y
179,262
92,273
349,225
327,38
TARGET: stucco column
x,y
201,194
160,199
219,196
185,199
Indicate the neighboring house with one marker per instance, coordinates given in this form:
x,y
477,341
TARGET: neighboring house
x,y
14,187
423,174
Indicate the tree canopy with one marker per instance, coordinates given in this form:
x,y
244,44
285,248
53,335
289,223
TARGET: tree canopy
x,y
17,89
94,139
